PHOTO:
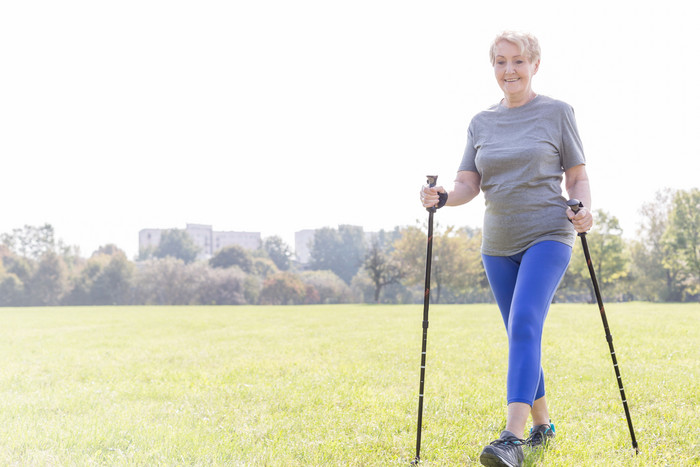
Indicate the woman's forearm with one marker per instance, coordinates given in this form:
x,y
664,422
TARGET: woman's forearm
x,y
466,188
581,191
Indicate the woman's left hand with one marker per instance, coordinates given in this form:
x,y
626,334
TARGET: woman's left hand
x,y
582,220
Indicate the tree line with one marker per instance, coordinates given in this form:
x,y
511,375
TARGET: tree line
x,y
661,263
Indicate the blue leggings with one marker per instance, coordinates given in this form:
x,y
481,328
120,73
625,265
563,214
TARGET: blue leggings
x,y
524,285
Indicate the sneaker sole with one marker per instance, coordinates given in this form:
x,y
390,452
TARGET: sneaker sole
x,y
492,460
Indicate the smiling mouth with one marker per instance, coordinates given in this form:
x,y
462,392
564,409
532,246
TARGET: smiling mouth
x,y
512,80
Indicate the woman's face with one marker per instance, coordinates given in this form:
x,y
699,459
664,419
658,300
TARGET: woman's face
x,y
513,71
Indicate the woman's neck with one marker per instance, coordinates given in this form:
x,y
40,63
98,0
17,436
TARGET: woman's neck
x,y
517,101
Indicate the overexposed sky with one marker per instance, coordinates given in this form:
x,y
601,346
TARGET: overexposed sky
x,y
277,116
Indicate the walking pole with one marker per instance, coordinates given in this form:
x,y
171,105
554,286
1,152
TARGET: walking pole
x,y
432,180
575,205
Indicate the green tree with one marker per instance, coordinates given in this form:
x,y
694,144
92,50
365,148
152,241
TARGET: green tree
x,y
654,277
83,280
33,242
409,251
263,267
381,268
610,261
457,272
49,282
683,239
18,265
109,249
176,244
11,290
278,251
15,273
112,284
232,255
11,286
341,251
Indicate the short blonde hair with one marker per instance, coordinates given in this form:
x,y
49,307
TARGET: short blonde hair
x,y
527,43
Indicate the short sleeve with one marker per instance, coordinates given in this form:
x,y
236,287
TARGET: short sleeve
x,y
571,149
469,157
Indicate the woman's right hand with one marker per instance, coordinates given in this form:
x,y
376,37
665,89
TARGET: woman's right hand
x,y
429,195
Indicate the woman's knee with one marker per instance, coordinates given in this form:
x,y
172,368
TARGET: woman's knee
x,y
527,330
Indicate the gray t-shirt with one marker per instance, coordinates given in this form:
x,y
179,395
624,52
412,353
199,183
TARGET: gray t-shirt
x,y
521,154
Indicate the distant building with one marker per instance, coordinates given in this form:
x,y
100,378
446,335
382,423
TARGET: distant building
x,y
250,240
201,235
302,245
208,240
149,239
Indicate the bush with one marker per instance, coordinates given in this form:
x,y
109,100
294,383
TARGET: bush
x,y
169,281
329,287
163,282
283,289
220,286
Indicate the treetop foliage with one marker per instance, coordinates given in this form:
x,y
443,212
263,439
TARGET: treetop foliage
x,y
176,243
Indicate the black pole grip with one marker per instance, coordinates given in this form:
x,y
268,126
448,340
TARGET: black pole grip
x,y
574,204
432,181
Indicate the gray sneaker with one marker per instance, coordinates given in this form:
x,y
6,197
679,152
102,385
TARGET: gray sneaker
x,y
540,435
506,451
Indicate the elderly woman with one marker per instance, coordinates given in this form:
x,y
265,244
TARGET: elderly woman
x,y
517,153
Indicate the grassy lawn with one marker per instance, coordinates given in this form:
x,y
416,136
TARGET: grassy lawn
x,y
335,385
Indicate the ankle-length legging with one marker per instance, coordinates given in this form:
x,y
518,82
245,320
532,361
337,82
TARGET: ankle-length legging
x,y
524,285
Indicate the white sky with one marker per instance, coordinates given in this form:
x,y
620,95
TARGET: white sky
x,y
276,116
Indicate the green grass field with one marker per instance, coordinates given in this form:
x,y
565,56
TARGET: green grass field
x,y
335,385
